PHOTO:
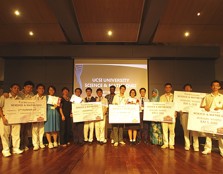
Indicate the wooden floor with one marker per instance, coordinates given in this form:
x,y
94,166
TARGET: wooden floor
x,y
107,159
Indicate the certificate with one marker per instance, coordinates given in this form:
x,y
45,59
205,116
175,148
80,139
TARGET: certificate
x,y
159,111
203,121
89,111
53,100
25,111
185,100
124,113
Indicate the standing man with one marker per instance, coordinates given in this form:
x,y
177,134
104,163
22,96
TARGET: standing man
x,y
110,98
119,99
214,100
7,130
184,122
100,125
89,124
168,127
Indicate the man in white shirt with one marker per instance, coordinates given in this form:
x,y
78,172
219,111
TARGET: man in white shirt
x,y
213,101
6,129
168,97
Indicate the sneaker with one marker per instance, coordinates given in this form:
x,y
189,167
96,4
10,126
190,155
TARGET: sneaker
x,y
116,144
36,148
164,146
17,151
50,145
187,148
221,154
122,142
6,153
171,147
55,144
42,146
112,141
130,140
205,152
196,149
26,148
105,141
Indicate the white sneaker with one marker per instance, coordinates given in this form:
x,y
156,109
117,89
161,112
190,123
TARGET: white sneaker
x,y
116,144
171,147
105,141
187,148
36,148
26,148
112,141
42,146
55,144
196,149
205,152
164,146
50,145
122,142
6,153
221,154
17,151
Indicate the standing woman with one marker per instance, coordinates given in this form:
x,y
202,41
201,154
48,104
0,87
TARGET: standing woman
x,y
156,135
52,125
132,128
66,121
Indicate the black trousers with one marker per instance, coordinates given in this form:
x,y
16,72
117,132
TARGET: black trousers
x,y
144,131
65,130
78,132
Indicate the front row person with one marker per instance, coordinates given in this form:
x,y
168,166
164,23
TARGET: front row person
x,y
119,99
38,127
100,125
52,125
8,130
213,101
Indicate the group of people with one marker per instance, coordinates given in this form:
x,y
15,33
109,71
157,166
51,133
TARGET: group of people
x,y
60,123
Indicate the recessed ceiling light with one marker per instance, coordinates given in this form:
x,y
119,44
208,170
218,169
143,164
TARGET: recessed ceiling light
x,y
110,33
198,14
31,33
17,12
187,34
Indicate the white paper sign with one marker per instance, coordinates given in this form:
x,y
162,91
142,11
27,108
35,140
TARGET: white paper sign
x,y
53,100
25,111
203,121
185,100
159,112
124,113
89,111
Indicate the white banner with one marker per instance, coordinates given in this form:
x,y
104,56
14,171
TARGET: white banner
x,y
159,111
25,111
89,111
185,100
124,113
203,121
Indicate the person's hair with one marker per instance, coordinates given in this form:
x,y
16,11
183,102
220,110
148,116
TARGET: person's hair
x,y
99,89
168,84
15,84
28,83
65,88
131,91
216,81
112,86
88,89
142,89
51,86
122,86
78,89
187,84
40,84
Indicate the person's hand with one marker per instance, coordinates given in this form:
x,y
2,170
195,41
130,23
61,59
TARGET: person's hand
x,y
55,106
216,108
6,95
63,118
4,120
207,108
71,115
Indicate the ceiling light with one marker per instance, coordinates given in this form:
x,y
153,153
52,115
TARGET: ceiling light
x,y
198,14
109,32
17,12
31,33
187,34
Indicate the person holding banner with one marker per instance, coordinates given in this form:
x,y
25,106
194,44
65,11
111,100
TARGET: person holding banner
x,y
156,135
89,124
38,127
184,122
168,97
214,100
52,125
78,127
132,128
119,99
65,119
7,130
100,125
